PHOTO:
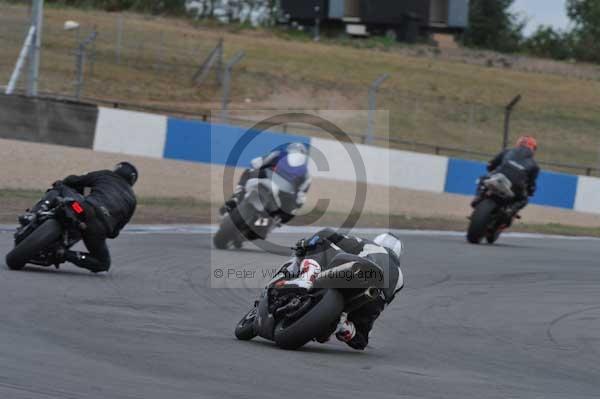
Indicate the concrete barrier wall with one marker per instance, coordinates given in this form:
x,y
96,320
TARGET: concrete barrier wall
x,y
391,168
155,136
197,141
588,195
128,132
554,189
42,121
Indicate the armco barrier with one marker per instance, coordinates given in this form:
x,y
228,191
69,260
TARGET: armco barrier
x,y
135,133
554,189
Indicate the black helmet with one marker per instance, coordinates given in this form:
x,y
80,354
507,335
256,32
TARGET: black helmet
x,y
127,171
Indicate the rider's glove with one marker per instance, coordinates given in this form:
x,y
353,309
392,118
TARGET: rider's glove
x,y
57,184
256,163
304,245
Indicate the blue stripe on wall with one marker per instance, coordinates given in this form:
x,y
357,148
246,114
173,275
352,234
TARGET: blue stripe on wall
x,y
462,176
554,189
221,144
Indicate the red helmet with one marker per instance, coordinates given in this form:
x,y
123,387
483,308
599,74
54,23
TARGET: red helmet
x,y
527,141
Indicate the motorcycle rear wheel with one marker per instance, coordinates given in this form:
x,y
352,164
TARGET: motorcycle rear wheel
x,y
314,323
47,233
480,221
492,237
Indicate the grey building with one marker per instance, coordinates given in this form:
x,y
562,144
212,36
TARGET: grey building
x,y
406,18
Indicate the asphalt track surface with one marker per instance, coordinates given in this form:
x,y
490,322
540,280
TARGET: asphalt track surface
x,y
516,320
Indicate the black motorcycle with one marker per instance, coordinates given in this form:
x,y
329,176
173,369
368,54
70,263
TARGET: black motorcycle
x,y
43,233
256,214
493,214
293,317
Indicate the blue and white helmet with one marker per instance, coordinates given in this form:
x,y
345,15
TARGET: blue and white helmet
x,y
390,242
297,148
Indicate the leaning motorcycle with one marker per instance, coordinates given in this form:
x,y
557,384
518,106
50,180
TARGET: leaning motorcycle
x,y
293,317
492,215
43,233
256,214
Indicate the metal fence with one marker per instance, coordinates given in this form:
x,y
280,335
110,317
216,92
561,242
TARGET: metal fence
x,y
101,56
114,59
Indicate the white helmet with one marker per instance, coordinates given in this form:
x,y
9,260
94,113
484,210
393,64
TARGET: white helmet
x,y
390,242
297,155
297,148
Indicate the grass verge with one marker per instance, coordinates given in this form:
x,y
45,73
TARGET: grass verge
x,y
431,98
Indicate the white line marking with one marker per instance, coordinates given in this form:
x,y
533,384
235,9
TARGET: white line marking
x,y
211,229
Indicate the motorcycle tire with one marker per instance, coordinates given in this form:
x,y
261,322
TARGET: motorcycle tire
x,y
492,237
480,221
47,233
244,330
312,324
226,233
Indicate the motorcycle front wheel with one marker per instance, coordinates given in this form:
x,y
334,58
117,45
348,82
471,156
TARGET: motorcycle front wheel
x,y
244,330
46,234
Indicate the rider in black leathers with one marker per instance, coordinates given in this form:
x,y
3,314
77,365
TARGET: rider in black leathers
x,y
518,164
108,208
318,252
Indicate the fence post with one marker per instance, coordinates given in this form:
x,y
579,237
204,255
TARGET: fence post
x,y
598,159
119,37
20,61
317,24
215,56
79,60
93,52
507,113
372,106
227,85
80,63
37,17
160,51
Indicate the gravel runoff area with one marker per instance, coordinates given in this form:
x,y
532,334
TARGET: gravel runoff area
x,y
33,166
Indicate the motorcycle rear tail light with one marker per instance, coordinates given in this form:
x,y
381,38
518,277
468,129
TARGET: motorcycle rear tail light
x,y
76,206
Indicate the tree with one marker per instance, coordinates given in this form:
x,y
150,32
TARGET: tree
x,y
586,16
493,26
549,43
153,6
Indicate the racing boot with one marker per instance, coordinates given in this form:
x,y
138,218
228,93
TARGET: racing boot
x,y
233,202
85,261
309,270
345,330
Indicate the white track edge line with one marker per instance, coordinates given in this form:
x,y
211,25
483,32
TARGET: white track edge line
x,y
210,229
